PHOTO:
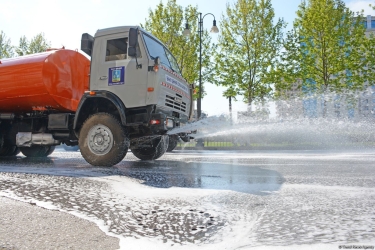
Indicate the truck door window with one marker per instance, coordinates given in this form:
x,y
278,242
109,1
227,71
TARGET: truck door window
x,y
116,49
157,49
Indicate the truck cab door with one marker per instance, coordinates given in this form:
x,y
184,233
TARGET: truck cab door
x,y
114,71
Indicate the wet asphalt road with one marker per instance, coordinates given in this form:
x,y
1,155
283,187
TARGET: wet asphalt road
x,y
202,199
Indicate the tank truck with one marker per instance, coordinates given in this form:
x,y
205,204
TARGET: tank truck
x,y
126,93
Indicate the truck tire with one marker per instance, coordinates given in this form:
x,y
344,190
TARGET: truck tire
x,y
103,141
6,149
37,151
160,146
9,151
173,140
70,148
1,141
50,151
15,152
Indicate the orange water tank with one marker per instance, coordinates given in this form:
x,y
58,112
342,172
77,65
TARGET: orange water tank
x,y
53,80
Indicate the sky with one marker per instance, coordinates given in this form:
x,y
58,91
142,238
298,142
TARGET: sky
x,y
64,21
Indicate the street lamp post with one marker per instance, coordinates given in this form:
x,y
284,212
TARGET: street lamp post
x,y
187,32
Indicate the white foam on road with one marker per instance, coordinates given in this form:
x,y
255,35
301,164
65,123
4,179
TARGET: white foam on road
x,y
302,213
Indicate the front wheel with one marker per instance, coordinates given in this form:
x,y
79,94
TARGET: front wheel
x,y
102,140
37,151
173,140
157,148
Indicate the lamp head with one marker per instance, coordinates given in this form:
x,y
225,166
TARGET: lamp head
x,y
187,31
214,28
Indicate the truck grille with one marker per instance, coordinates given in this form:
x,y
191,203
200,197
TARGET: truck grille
x,y
175,102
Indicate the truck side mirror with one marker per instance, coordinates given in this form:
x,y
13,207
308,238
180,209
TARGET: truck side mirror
x,y
133,41
157,60
87,42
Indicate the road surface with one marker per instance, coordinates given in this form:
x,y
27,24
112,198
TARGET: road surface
x,y
190,200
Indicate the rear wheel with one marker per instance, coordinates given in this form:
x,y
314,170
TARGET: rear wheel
x,y
16,151
173,140
51,149
159,147
70,148
6,149
37,151
102,140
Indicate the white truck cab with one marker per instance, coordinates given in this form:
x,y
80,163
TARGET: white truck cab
x,y
135,76
151,77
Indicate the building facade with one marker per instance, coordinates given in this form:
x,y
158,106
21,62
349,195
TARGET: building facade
x,y
369,25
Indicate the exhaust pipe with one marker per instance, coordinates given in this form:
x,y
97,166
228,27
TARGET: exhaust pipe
x,y
7,116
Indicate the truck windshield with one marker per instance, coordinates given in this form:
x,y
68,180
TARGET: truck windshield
x,y
156,49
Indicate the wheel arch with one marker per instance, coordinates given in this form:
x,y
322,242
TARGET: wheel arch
x,y
102,101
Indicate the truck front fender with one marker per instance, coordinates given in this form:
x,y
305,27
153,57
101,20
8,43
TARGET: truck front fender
x,y
99,101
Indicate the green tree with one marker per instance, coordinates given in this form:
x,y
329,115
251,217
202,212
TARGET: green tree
x,y
369,57
23,47
249,44
6,49
369,49
36,45
324,48
167,22
289,69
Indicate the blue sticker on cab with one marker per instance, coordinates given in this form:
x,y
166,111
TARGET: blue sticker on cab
x,y
116,76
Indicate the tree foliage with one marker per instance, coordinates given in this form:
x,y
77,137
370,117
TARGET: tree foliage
x,y
36,45
249,43
167,22
6,49
369,59
324,48
368,50
23,47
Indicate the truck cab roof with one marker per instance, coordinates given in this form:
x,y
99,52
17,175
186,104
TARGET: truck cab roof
x,y
113,30
116,30
120,29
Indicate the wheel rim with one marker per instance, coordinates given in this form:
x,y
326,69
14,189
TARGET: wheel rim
x,y
100,139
